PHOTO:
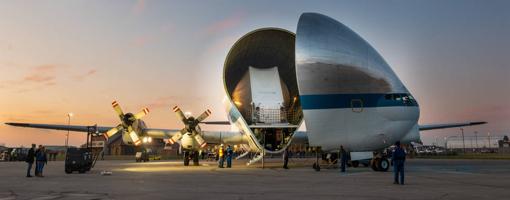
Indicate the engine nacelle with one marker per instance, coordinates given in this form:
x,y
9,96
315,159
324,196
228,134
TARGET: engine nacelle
x,y
138,126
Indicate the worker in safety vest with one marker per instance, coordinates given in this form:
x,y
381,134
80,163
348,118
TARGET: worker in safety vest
x,y
221,156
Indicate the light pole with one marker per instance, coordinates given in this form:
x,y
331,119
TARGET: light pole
x,y
446,143
476,139
489,137
463,142
69,115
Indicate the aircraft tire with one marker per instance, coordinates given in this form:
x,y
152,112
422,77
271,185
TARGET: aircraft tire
x,y
383,165
316,167
186,158
373,164
195,158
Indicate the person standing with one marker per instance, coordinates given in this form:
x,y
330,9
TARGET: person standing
x,y
285,158
230,154
41,160
30,159
221,156
36,169
343,158
398,158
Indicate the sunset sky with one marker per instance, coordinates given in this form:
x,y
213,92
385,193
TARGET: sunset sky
x,y
78,56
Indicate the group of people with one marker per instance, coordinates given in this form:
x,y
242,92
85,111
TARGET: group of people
x,y
398,157
39,156
225,154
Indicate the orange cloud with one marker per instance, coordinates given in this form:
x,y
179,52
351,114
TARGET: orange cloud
x,y
42,74
227,23
162,102
35,78
89,73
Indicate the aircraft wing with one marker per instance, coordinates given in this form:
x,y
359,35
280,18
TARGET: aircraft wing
x,y
156,133
214,137
160,133
101,129
452,125
216,122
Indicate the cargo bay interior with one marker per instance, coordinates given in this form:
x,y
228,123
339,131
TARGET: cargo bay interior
x,y
260,77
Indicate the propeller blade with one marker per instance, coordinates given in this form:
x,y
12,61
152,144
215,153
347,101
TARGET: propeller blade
x,y
177,136
142,113
200,140
113,131
134,137
204,115
180,114
118,110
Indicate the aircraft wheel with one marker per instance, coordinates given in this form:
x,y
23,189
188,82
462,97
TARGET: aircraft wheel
x,y
355,164
316,167
186,158
195,158
383,165
373,164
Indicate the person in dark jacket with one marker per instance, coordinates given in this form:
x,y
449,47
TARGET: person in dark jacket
x,y
30,159
343,158
41,160
230,154
398,158
36,172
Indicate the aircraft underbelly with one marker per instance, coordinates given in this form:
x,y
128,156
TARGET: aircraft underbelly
x,y
371,129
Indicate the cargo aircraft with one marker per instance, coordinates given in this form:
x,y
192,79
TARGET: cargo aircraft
x,y
325,75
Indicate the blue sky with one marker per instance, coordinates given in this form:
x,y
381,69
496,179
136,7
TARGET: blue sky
x,y
78,56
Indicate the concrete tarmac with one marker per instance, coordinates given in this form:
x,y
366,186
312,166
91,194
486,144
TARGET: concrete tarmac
x,y
425,179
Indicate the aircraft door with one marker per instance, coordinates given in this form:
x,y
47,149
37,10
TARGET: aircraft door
x,y
357,105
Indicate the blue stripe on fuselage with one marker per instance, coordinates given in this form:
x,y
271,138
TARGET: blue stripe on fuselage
x,y
328,101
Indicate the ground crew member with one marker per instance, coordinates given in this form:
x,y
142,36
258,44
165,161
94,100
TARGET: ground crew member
x,y
221,156
41,160
36,170
230,153
343,158
398,158
30,159
285,158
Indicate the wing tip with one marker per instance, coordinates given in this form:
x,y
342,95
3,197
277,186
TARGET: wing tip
x,y
477,123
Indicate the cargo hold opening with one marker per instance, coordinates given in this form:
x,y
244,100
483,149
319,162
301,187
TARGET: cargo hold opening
x,y
260,78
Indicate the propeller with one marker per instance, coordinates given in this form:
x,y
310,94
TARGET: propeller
x,y
127,121
191,127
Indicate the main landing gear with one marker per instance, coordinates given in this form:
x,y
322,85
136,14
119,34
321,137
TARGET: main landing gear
x,y
380,163
190,155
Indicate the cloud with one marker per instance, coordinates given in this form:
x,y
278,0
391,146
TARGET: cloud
x,y
37,77
138,7
42,74
142,40
162,102
225,24
89,73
